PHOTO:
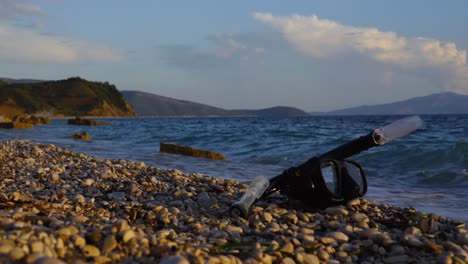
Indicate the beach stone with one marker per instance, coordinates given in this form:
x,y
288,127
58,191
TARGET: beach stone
x,y
437,249
158,218
338,236
6,248
323,254
94,236
128,235
37,247
397,250
174,260
451,246
117,196
234,229
54,177
267,217
306,231
287,260
336,211
428,225
79,199
462,238
352,203
49,260
16,253
79,241
396,259
287,247
88,182
413,241
80,219
445,258
327,240
308,239
413,231
101,260
359,218
91,251
204,200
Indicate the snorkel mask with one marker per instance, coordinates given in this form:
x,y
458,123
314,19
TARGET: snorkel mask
x,y
321,183
329,179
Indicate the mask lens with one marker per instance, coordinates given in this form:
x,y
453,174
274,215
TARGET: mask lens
x,y
356,174
329,174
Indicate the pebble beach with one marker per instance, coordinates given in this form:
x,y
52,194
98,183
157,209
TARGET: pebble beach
x,y
59,206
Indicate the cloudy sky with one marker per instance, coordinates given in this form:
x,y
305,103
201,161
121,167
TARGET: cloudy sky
x,y
314,55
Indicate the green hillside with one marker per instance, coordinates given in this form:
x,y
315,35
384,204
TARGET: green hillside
x,y
70,97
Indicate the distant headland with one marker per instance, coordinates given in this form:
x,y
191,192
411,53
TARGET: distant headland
x,y
70,97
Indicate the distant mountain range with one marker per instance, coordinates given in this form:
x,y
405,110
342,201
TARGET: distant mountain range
x,y
148,104
440,103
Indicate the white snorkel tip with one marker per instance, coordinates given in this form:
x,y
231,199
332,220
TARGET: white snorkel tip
x,y
396,129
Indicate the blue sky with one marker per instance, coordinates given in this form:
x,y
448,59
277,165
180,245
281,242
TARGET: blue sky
x,y
314,55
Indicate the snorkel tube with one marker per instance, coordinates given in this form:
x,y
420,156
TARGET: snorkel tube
x,y
254,191
378,137
295,181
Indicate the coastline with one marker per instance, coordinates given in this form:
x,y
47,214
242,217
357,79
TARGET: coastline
x,y
62,205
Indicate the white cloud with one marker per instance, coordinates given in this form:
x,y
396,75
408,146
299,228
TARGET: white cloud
x,y
20,45
323,38
13,9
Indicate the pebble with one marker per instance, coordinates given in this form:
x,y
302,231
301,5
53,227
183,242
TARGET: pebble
x,y
414,242
288,248
174,260
462,238
396,259
91,251
120,211
110,243
16,253
360,218
128,235
338,236
322,254
336,211
288,260
48,260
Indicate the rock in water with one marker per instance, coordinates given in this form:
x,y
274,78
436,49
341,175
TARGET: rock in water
x,y
82,135
15,125
189,151
86,122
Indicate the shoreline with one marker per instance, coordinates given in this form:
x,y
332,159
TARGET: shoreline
x,y
62,205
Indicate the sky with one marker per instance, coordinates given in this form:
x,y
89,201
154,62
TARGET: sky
x,y
313,55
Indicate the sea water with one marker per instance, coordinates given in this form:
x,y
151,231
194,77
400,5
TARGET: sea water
x,y
427,169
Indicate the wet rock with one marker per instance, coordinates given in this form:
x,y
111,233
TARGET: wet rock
x,y
16,125
82,135
86,122
189,151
